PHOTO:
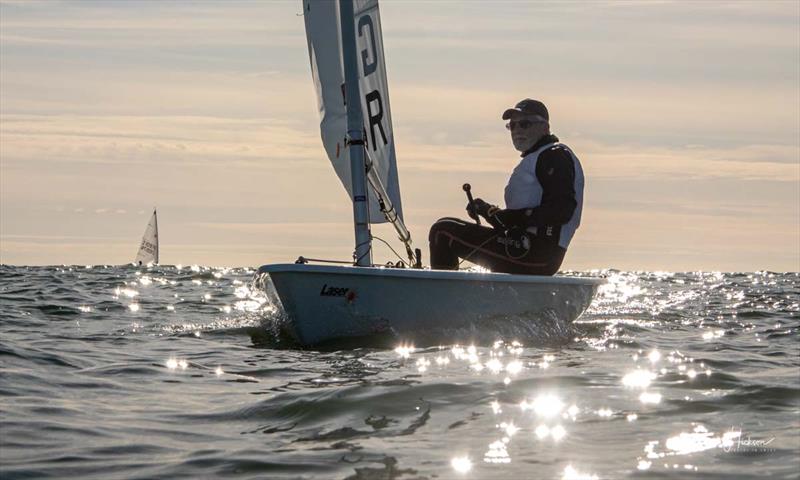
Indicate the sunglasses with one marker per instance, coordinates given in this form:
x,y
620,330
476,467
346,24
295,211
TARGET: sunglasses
x,y
523,124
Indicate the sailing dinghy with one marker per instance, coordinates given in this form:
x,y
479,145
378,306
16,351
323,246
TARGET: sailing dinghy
x,y
148,249
324,302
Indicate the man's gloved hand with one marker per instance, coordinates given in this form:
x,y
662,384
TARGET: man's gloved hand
x,y
477,207
485,210
471,211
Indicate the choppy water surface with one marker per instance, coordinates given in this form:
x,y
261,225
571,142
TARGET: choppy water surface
x,y
169,372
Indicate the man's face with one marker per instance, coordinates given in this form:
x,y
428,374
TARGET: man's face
x,y
526,130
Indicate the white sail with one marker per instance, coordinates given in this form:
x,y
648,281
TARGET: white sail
x,y
325,52
148,250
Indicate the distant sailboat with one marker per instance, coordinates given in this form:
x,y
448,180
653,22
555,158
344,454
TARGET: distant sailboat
x,y
148,250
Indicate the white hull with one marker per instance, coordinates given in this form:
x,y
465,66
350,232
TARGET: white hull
x,y
326,303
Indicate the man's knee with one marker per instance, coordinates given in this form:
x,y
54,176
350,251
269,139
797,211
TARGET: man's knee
x,y
446,224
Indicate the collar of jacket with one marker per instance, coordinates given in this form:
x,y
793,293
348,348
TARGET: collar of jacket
x,y
550,138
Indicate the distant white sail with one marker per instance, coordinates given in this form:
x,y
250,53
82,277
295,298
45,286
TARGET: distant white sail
x,y
148,250
325,53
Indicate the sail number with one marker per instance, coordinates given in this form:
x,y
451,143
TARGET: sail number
x,y
369,64
147,247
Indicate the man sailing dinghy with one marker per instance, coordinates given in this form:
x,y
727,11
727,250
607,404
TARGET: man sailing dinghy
x,y
324,302
148,249
544,200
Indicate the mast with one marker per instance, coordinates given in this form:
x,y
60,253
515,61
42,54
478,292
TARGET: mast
x,y
155,225
363,237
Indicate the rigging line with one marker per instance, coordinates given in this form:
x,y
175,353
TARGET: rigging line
x,y
367,252
365,242
390,248
321,260
478,248
359,258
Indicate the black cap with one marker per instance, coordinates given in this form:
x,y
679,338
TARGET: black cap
x,y
528,107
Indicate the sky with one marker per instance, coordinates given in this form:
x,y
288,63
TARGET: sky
x,y
685,116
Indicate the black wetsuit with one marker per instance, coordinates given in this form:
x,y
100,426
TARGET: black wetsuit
x,y
521,241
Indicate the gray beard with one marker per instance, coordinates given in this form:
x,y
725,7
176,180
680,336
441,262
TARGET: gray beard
x,y
526,142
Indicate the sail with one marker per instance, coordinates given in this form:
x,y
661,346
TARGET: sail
x,y
148,250
325,53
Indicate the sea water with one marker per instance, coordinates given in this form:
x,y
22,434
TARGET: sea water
x,y
184,372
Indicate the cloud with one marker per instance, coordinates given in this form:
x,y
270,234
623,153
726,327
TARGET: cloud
x,y
257,143
207,110
262,143
775,163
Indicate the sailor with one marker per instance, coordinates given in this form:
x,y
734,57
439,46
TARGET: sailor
x,y
543,203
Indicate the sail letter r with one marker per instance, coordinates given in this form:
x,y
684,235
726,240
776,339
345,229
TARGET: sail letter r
x,y
375,117
366,21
